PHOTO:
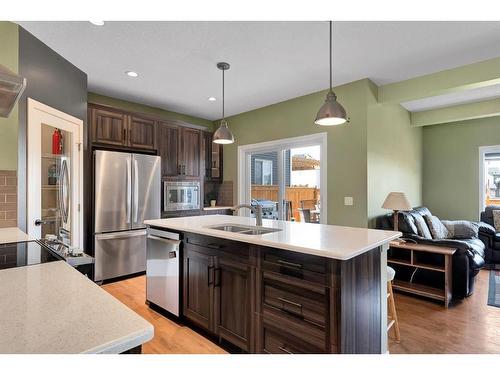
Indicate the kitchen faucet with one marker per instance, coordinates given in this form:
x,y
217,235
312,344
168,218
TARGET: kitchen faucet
x,y
257,210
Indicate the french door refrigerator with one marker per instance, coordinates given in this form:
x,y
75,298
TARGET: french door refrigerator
x,y
127,191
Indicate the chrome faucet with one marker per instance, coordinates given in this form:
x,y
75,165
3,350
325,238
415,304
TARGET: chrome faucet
x,y
257,211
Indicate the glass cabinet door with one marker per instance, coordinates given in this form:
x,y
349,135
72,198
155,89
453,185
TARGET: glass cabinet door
x,y
55,182
54,174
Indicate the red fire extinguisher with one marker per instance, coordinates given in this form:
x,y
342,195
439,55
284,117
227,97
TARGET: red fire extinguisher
x,y
57,142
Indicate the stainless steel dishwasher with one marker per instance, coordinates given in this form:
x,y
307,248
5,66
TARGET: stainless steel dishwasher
x,y
163,269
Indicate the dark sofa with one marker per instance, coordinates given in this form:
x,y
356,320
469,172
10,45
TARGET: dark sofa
x,y
467,261
489,235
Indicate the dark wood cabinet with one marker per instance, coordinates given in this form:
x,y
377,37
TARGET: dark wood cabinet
x,y
190,147
168,149
198,296
142,133
180,151
108,127
213,158
117,128
232,300
267,300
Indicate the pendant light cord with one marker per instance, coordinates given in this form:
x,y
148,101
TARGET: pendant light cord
x,y
331,59
223,94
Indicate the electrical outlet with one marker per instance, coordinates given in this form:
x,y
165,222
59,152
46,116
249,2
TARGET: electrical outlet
x,y
348,201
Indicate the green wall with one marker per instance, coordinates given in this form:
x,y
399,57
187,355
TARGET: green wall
x,y
394,154
140,108
9,57
451,166
346,144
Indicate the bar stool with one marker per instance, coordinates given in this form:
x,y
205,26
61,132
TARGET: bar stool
x,y
391,306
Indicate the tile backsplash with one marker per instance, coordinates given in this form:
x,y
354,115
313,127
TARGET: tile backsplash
x,y
8,199
225,194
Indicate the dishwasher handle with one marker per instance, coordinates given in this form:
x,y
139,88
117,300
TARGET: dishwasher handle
x,y
165,240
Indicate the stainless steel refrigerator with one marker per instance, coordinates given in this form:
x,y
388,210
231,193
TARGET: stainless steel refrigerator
x,y
127,191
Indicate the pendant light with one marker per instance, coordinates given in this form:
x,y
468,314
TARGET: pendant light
x,y
331,112
223,135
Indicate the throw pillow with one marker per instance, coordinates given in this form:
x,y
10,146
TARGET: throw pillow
x,y
423,229
461,229
438,230
496,219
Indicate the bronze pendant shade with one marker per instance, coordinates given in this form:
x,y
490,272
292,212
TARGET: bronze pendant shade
x,y
223,135
331,112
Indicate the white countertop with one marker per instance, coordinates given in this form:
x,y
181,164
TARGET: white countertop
x,y
330,241
213,208
52,308
13,234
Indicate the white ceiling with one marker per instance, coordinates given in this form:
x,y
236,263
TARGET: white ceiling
x,y
270,61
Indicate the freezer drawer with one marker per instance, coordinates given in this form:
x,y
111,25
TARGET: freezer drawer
x,y
119,254
162,270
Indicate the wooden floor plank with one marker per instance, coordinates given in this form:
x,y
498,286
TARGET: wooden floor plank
x,y
468,326
170,337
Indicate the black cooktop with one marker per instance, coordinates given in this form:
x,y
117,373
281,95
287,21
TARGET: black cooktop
x,y
21,254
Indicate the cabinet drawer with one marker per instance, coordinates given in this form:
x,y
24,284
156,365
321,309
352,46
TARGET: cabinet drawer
x,y
301,266
305,306
276,341
234,249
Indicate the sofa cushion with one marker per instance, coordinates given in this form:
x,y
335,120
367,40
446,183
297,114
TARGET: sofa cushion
x,y
423,229
438,230
461,229
487,214
496,219
406,223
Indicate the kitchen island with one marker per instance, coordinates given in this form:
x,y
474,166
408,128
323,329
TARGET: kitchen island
x,y
52,308
298,288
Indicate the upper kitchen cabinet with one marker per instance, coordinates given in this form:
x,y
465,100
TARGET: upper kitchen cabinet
x,y
191,152
113,127
141,133
168,149
108,127
213,158
180,150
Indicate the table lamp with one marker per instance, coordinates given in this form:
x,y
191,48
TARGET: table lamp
x,y
397,202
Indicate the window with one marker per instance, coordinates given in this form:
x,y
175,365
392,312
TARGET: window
x,y
263,174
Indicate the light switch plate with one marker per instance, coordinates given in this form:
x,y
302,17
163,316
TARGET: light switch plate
x,y
348,201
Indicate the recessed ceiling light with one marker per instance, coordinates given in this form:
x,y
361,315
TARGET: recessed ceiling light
x,y
131,73
211,99
97,23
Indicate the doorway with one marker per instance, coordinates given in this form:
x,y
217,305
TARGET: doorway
x,y
54,174
285,178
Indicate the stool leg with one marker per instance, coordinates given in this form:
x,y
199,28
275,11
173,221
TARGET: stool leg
x,y
392,310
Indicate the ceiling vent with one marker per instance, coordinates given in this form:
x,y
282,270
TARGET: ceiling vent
x,y
11,89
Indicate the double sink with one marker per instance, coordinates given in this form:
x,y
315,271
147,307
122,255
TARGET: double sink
x,y
243,229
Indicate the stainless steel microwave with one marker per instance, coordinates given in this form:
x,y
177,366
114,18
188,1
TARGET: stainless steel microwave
x,y
181,195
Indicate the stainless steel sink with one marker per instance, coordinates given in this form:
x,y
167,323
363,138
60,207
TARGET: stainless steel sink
x,y
243,229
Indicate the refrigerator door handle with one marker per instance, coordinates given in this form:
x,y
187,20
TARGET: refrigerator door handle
x,y
115,236
136,191
129,190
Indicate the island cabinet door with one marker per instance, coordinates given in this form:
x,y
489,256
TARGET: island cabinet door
x,y
232,301
198,286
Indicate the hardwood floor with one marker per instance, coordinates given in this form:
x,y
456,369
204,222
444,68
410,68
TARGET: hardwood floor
x,y
170,337
468,326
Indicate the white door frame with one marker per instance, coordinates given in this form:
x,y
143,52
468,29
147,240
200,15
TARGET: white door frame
x,y
483,150
39,113
244,191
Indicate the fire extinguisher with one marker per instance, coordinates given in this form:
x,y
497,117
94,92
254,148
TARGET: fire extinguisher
x,y
57,142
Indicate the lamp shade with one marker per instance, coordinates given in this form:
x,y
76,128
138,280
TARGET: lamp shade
x,y
397,201
331,112
223,135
